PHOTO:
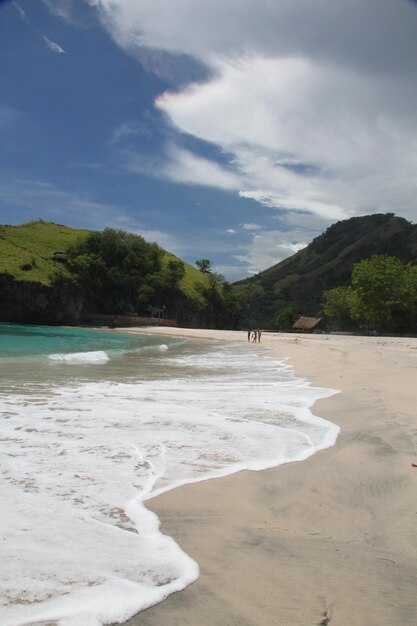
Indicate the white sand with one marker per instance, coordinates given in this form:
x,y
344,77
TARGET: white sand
x,y
330,540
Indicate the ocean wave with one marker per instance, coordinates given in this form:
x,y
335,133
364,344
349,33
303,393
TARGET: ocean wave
x,y
98,356
156,347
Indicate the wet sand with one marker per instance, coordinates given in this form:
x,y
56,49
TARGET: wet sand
x,y
330,540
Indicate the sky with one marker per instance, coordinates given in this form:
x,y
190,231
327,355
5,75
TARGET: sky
x,y
231,130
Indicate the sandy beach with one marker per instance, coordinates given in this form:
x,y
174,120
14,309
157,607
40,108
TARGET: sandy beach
x,y
330,540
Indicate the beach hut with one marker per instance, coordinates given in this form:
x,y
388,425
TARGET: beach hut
x,y
306,324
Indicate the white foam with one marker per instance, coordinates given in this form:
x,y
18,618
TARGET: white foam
x,y
79,461
98,356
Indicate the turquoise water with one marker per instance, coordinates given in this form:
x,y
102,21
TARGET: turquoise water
x,y
93,424
53,355
21,341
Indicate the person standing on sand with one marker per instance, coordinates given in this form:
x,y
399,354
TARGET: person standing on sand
x,y
259,333
249,333
254,336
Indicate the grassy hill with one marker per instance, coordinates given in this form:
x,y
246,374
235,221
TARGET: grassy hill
x,y
32,246
27,253
326,262
33,254
193,278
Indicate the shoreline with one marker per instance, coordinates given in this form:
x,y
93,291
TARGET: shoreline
x,y
330,539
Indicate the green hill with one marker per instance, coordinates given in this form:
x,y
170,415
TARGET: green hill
x,y
27,251
300,280
38,283
193,280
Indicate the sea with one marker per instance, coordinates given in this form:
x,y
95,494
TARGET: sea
x,y
94,423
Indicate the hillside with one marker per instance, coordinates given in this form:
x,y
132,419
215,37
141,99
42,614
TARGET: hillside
x,y
300,280
27,251
32,246
34,254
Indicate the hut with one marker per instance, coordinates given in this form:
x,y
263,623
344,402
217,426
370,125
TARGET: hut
x,y
306,324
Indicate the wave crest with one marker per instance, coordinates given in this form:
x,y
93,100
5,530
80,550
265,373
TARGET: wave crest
x,y
98,356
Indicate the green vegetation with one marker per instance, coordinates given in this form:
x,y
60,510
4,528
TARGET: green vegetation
x,y
27,251
286,319
382,296
300,280
192,282
222,306
118,272
204,265
54,274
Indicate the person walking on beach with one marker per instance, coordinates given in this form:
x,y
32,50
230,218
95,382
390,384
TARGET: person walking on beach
x,y
254,336
259,333
249,333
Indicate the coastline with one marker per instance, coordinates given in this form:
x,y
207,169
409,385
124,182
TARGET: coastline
x,y
331,539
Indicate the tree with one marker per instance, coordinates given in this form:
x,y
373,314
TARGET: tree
x,y
285,319
204,265
253,297
382,292
336,304
90,274
114,268
174,273
221,305
382,295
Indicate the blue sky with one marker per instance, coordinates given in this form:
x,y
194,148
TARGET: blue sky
x,y
232,130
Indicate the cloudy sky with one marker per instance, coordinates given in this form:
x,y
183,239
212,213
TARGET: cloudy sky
x,y
236,130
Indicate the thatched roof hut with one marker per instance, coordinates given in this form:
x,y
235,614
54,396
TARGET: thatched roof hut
x,y
306,324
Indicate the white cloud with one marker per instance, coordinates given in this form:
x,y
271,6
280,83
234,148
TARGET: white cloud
x,y
359,29
303,221
232,273
185,167
70,11
269,247
60,8
251,226
315,102
53,46
175,164
20,10
127,130
55,8
357,140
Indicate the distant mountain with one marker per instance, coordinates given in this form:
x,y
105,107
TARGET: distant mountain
x,y
300,280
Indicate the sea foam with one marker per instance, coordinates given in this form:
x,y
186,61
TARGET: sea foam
x,y
79,461
98,356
